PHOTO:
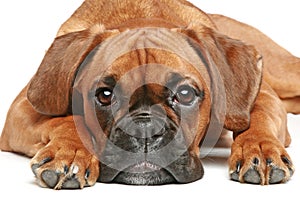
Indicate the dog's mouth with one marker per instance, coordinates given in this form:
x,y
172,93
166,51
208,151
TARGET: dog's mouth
x,y
185,169
143,167
147,173
144,173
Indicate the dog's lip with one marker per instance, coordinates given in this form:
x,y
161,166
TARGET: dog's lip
x,y
185,169
143,167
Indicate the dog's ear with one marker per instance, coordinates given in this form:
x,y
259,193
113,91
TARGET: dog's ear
x,y
50,88
240,68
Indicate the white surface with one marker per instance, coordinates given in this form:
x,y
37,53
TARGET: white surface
x,y
27,30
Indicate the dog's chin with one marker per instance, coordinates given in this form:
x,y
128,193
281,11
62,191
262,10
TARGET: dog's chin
x,y
185,169
144,173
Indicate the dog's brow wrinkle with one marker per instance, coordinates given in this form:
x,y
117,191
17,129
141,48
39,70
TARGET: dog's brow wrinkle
x,y
109,80
174,79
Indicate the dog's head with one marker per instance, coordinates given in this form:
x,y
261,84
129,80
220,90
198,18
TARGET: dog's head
x,y
148,96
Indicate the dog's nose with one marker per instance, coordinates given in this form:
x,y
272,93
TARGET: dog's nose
x,y
142,119
142,132
146,126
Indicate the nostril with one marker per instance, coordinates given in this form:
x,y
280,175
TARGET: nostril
x,y
144,114
159,132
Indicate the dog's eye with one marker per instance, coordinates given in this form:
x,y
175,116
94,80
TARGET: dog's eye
x,y
105,96
185,95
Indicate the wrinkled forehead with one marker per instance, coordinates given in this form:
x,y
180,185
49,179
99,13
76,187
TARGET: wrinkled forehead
x,y
147,54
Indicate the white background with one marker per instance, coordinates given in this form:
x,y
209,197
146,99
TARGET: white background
x,y
27,30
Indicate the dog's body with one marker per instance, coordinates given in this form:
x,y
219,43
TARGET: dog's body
x,y
169,56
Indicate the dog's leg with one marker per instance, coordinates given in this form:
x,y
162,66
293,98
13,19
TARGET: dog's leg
x,y
65,162
258,154
61,160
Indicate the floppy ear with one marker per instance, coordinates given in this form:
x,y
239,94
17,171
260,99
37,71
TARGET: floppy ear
x,y
50,89
240,67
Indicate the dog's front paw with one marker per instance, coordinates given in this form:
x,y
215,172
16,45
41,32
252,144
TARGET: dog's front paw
x,y
259,162
65,167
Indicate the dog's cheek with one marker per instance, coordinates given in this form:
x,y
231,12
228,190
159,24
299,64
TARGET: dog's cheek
x,y
189,122
105,119
198,123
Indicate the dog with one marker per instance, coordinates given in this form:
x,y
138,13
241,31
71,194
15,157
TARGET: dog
x,y
129,90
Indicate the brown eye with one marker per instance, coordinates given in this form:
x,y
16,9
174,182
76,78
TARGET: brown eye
x,y
185,95
105,97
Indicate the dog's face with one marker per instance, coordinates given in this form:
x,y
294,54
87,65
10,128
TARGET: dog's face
x,y
150,113
148,97
149,103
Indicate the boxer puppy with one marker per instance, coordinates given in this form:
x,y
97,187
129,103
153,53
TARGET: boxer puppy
x,y
128,91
